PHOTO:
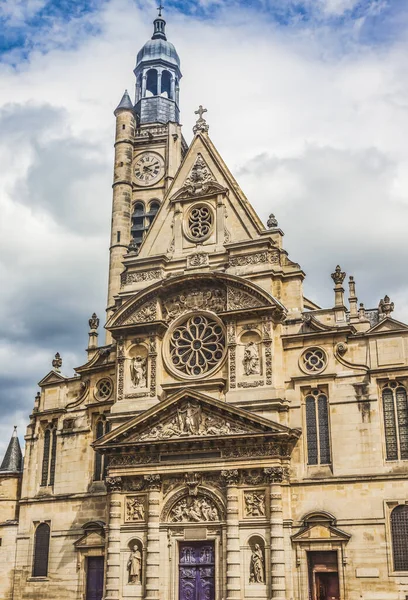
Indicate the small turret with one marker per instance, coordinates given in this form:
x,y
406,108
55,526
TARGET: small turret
x,y
13,459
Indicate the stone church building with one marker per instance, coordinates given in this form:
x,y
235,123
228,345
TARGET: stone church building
x,y
229,439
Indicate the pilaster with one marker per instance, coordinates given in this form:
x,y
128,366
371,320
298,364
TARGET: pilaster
x,y
277,542
231,479
112,578
153,484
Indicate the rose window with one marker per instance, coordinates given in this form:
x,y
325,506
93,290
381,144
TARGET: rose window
x,y
200,222
197,345
314,359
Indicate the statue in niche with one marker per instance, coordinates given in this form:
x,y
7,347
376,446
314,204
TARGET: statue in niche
x,y
138,370
134,565
257,567
251,359
254,504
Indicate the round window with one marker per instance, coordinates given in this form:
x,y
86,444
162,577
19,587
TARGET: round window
x,y
196,345
103,389
313,360
200,222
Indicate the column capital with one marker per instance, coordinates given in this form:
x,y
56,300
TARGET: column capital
x,y
114,484
153,482
231,476
276,474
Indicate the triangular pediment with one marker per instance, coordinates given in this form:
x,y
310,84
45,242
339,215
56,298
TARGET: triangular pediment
x,y
94,538
51,378
191,416
321,532
388,324
202,174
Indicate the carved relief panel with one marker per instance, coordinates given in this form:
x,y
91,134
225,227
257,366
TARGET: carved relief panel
x,y
135,508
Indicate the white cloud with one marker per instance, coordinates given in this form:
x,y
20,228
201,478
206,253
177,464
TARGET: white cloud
x,y
312,135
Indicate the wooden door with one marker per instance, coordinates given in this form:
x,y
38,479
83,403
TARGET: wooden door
x,y
94,578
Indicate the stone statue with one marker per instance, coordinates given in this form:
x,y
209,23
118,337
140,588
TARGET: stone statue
x,y
272,222
135,509
255,504
190,418
138,371
257,568
134,565
251,359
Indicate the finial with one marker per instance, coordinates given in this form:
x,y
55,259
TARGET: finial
x,y
93,322
57,362
385,307
272,222
201,124
159,25
338,275
160,8
133,246
15,431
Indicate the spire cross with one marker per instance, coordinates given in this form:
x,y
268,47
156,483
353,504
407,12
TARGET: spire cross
x,y
160,8
200,111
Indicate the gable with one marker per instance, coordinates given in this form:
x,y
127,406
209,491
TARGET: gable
x,y
202,176
189,416
52,378
321,532
388,325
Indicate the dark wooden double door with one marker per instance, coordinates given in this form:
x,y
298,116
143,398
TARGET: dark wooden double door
x,y
196,571
94,578
323,576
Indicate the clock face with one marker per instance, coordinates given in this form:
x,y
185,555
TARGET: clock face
x,y
149,168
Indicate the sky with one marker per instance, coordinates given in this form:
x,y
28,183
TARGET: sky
x,y
307,103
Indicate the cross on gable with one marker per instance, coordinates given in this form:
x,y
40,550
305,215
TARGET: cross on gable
x,y
160,8
200,111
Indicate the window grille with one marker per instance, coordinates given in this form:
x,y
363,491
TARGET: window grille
x,y
399,533
395,409
41,550
317,429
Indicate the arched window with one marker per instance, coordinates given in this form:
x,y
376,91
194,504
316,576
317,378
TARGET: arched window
x,y
49,456
151,83
41,550
166,84
399,533
395,408
317,429
102,427
142,219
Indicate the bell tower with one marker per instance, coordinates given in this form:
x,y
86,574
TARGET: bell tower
x,y
148,150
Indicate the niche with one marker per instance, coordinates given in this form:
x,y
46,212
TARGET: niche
x,y
137,366
255,568
250,355
133,566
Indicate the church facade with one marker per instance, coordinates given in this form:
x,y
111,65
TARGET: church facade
x,y
229,439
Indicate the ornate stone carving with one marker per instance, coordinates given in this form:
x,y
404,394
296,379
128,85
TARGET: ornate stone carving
x,y
114,484
93,322
57,362
194,510
192,481
268,449
134,565
266,329
251,360
123,460
385,307
253,477
153,482
153,364
272,222
231,476
152,275
135,508
276,474
239,299
201,259
268,362
232,365
144,314
256,258
121,368
191,421
210,298
338,275
257,566
133,484
251,384
138,371
199,177
254,504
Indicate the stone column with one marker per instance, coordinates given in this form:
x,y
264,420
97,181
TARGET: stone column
x,y
275,475
112,577
231,479
144,82
159,80
173,88
153,484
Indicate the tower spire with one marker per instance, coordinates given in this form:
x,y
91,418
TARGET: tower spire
x,y
159,25
13,459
